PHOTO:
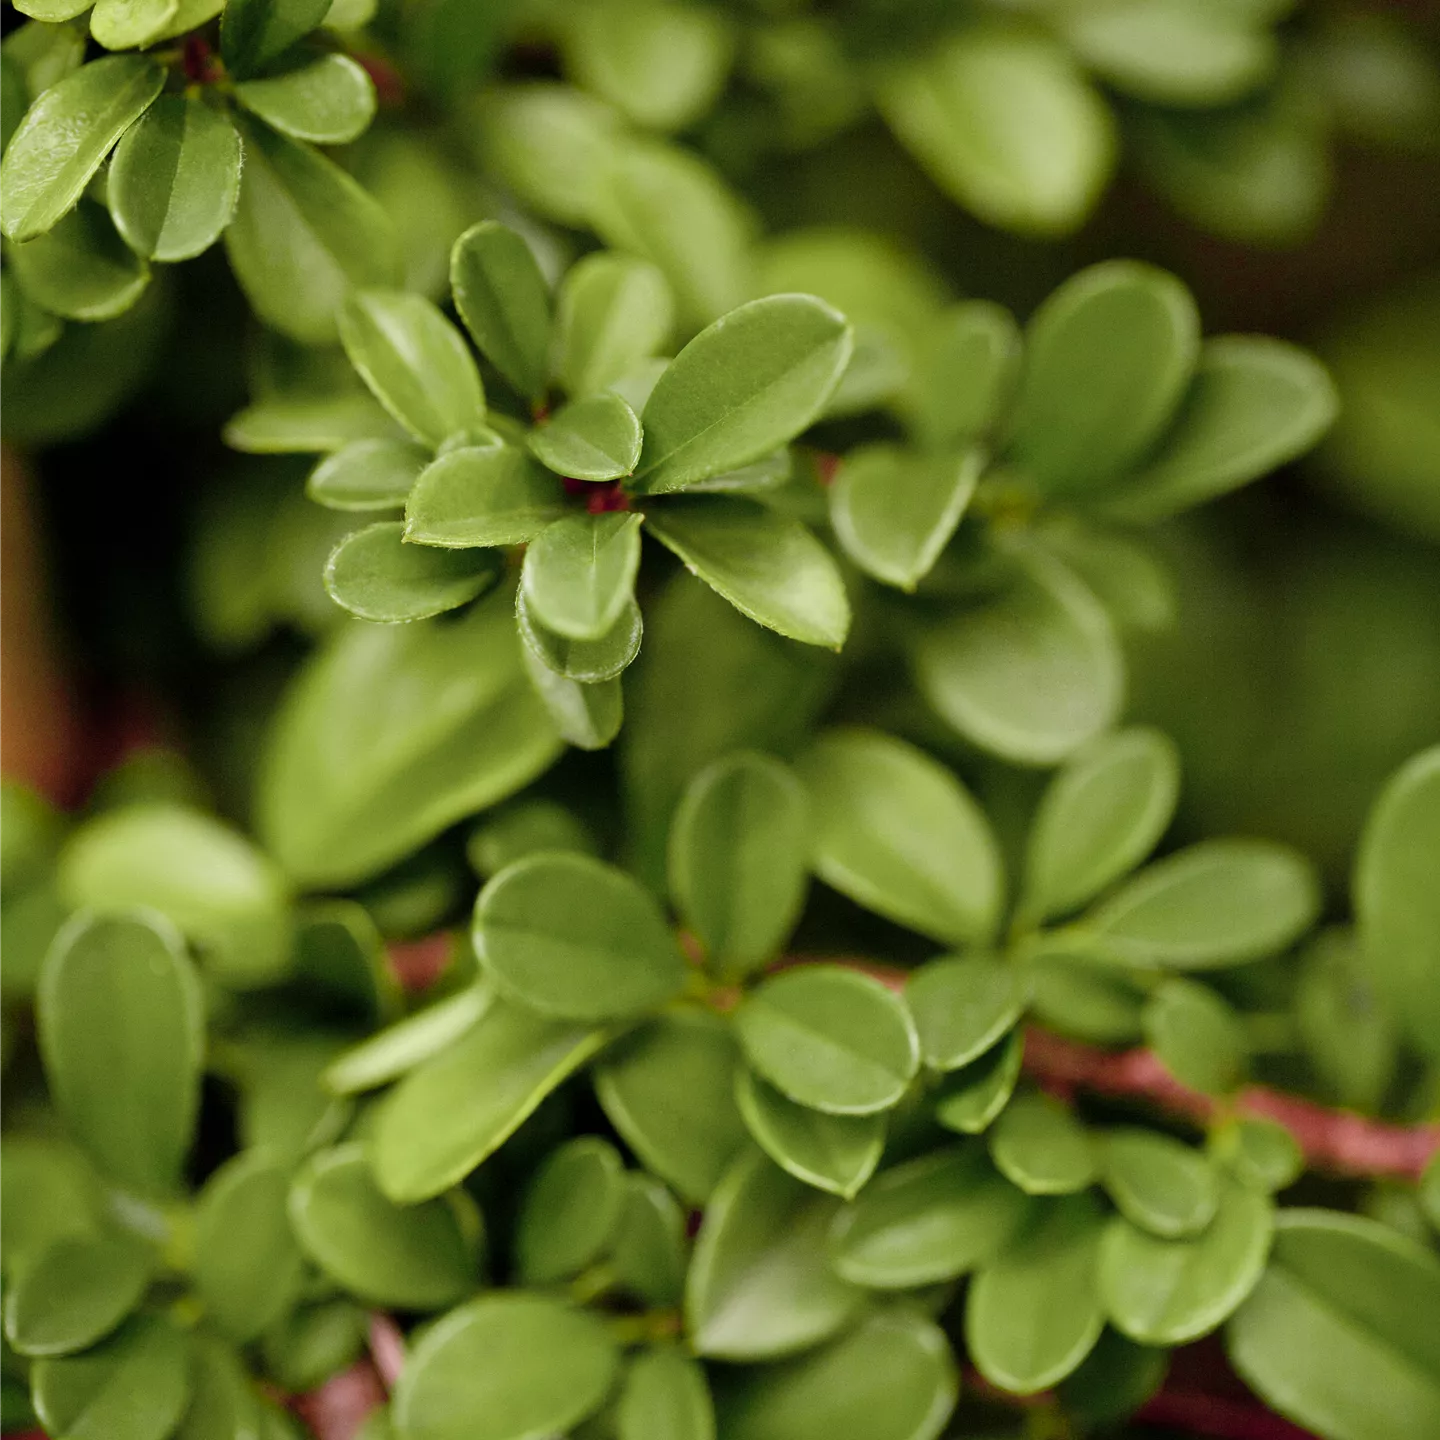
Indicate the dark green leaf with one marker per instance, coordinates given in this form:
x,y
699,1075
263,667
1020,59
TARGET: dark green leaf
x,y
329,99
66,135
175,179
375,574
340,956
579,573
1197,1036
1086,996
614,311
760,1284
491,496
1039,1145
649,1253
570,1212
1168,1292
1032,1315
1101,815
899,834
368,475
738,859
459,1106
577,939
254,32
1115,1379
223,1402
390,1053
72,1294
971,1098
1349,1033
505,1367
587,662
80,268
749,383
315,1343
416,1257
830,1038
927,1220
505,303
1159,1184
669,1090
122,1037
963,1006
597,438
586,715
665,1397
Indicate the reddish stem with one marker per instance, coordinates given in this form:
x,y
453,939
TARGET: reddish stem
x,y
418,964
387,1348
338,1409
1217,1417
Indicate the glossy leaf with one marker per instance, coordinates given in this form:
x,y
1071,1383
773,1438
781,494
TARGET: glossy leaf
x,y
751,382
613,311
1078,423
587,662
760,1284
575,938
963,1005
579,573
413,1257
1169,1292
596,438
504,1367
769,567
329,99
1197,1036
174,179
665,1397
391,1052
899,834
474,496
66,135
738,859
254,32
1101,815
1158,1183
423,1141
72,1294
972,1097
374,574
505,303
894,512
1220,902
368,475
308,425
837,1153
669,1090
1039,1145
122,1037
586,715
1032,1315
80,268
570,1212
1029,674
830,1038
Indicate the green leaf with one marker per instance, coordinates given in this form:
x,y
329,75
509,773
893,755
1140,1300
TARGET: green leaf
x,y
1169,1292
739,859
891,1377
1085,995
1396,901
1039,1145
1220,902
66,135
570,1212
416,1257
576,938
1006,123
310,425
972,1097
830,1038
504,1367
399,1048
460,1105
223,1402
491,496
1101,815
965,371
928,1220
1255,404
505,303
665,1397
1197,1036
134,1386
963,1005
1029,674
329,99
768,566
49,1194
375,574
1341,1333
899,834
1113,1381
668,1090
254,32
283,1108
586,715
80,268
1260,1153
760,1284
414,361
1348,1032
1077,423
368,475
587,662
1158,1184
751,382
1032,1315
613,312
122,1037
667,205
579,573
227,896
894,511
53,12
127,24
73,1293
174,180
649,1252
597,438
837,1153
248,1269
304,235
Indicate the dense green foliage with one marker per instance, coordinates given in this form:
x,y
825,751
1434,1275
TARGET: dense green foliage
x,y
707,689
